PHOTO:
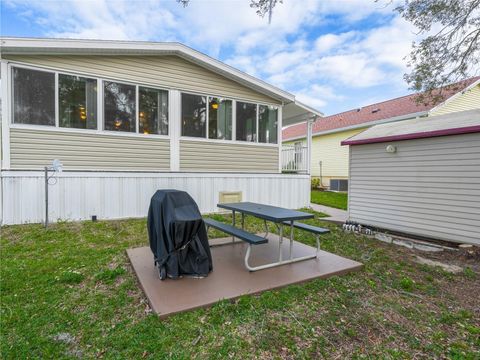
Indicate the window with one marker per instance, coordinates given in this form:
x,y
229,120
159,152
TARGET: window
x,y
153,111
246,121
267,124
77,102
33,97
119,107
219,118
194,114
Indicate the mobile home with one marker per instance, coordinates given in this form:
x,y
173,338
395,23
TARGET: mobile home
x,y
127,118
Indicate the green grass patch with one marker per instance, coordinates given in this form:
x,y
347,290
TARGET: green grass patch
x,y
337,200
69,292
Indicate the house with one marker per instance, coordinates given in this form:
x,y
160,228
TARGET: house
x,y
420,177
128,118
329,160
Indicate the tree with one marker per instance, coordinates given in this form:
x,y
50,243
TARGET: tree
x,y
450,50
262,7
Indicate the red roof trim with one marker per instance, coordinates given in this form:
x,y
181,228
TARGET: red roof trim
x,y
420,135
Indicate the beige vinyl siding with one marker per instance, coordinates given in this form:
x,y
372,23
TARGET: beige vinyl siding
x,y
34,149
429,187
162,71
334,156
223,157
467,101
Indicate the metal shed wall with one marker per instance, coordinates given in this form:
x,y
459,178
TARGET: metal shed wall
x,y
429,187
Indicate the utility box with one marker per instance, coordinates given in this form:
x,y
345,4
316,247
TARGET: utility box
x,y
229,197
338,185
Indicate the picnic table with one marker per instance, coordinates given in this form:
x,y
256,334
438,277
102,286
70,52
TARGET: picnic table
x,y
277,215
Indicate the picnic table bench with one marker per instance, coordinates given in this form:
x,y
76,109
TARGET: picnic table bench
x,y
279,216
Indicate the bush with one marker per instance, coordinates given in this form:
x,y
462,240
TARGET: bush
x,y
315,183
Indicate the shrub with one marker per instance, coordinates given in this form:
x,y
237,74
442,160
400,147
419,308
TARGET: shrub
x,y
315,183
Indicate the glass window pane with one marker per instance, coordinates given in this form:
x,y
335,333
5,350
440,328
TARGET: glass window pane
x,y
153,111
246,121
219,118
267,124
33,97
119,107
194,115
77,102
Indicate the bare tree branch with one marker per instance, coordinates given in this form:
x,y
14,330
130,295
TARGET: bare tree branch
x,y
451,53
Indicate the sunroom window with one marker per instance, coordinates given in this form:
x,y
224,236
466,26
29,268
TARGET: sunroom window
x,y
246,121
77,102
33,97
194,115
153,111
267,124
119,107
219,118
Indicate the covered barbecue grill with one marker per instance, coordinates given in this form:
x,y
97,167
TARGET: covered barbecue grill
x,y
178,237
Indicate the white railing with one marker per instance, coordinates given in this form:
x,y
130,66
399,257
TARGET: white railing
x,y
294,158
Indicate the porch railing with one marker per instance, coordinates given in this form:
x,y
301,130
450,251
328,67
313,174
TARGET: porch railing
x,y
294,158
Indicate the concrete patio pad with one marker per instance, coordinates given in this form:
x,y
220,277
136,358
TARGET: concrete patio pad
x,y
229,278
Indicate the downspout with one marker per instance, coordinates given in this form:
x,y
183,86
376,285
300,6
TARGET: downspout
x,y
310,122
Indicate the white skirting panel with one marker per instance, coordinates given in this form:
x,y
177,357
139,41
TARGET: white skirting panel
x,y
112,195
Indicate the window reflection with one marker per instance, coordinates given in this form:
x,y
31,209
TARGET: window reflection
x,y
194,111
267,124
33,97
77,102
246,122
153,111
119,107
219,118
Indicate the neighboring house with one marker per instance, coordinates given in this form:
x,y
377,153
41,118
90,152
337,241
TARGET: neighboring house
x,y
420,177
329,131
128,118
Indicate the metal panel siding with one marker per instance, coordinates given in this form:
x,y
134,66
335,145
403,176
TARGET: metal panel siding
x,y
34,149
163,71
78,196
467,101
429,187
223,157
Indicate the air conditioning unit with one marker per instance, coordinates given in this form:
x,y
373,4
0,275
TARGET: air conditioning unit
x,y
338,185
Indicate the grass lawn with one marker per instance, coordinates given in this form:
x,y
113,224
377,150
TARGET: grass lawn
x,y
337,200
69,292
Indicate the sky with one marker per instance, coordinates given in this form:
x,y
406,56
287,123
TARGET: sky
x,y
334,55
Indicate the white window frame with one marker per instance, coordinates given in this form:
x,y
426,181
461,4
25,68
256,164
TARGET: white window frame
x,y
100,105
208,115
138,109
100,108
11,89
234,120
258,123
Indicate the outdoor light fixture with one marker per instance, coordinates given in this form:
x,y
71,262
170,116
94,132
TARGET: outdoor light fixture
x,y
391,149
56,167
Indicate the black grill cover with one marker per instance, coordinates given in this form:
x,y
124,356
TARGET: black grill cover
x,y
178,237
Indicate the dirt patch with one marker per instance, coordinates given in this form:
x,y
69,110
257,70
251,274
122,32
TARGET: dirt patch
x,y
463,257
